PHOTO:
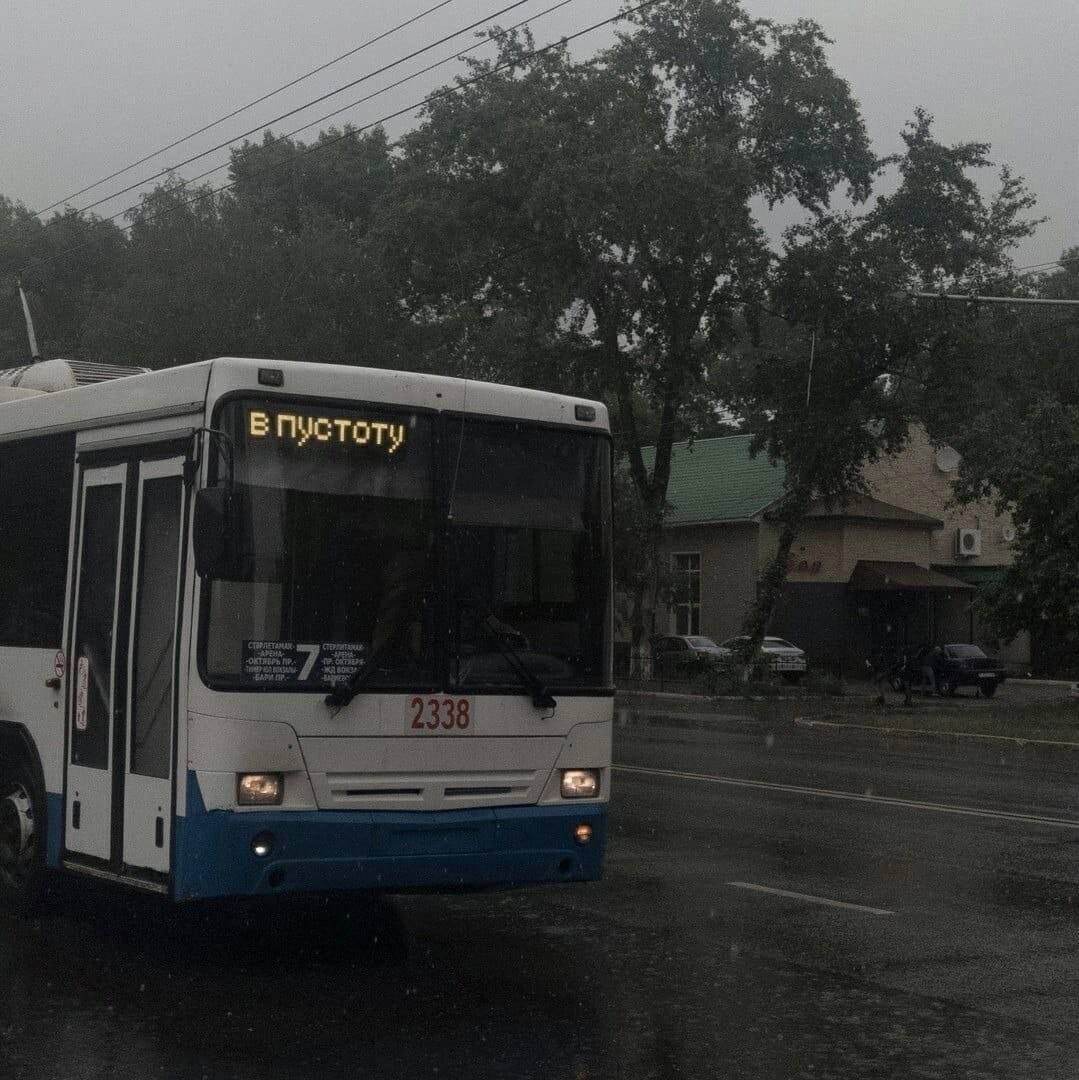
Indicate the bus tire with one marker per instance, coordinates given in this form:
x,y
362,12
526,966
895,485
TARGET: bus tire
x,y
22,835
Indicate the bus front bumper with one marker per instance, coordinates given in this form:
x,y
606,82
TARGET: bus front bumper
x,y
318,851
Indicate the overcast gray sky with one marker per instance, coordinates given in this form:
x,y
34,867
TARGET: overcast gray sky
x,y
86,87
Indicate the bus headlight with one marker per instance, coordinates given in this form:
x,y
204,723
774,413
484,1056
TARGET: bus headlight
x,y
580,783
259,789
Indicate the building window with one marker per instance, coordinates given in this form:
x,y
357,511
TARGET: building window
x,y
686,594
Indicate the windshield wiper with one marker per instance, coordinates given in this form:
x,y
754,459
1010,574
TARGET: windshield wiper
x,y
344,690
541,696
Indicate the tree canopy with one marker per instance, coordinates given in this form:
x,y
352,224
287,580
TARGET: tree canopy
x,y
598,214
849,358
594,225
1010,405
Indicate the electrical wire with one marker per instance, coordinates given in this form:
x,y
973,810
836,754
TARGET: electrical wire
x,y
361,101
462,84
1042,268
370,97
300,108
243,108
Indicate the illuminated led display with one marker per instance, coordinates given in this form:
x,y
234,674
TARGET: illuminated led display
x,y
301,430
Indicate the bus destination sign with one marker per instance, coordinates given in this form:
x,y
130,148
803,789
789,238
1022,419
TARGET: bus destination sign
x,y
291,661
299,429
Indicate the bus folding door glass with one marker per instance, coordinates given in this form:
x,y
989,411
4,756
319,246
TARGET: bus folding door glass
x,y
95,626
155,627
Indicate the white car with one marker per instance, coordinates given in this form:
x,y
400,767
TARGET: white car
x,y
783,657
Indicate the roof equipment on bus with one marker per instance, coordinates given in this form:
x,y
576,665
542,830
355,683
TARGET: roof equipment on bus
x,y
49,376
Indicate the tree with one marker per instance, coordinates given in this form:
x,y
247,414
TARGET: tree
x,y
275,266
588,226
66,265
1011,408
840,383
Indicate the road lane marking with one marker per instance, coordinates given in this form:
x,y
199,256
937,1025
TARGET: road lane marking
x,y
853,796
810,898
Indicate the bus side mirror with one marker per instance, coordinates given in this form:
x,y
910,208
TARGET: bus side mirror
x,y
212,531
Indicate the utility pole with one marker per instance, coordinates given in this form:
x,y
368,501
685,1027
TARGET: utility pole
x,y
35,355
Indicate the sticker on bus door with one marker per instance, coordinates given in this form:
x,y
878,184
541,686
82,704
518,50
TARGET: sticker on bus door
x,y
82,691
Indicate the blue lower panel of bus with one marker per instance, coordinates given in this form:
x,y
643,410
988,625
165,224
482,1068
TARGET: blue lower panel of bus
x,y
313,851
54,829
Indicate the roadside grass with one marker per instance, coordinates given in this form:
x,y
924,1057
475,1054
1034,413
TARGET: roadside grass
x,y
1056,720
1017,712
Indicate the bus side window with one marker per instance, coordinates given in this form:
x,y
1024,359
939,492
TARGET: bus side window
x,y
35,515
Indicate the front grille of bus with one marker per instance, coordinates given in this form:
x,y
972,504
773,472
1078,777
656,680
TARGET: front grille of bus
x,y
427,791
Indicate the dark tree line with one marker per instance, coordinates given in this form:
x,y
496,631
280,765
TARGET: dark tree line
x,y
592,226
1010,404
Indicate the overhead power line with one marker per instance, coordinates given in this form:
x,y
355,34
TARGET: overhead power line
x,y
370,97
974,298
1035,266
448,91
354,104
1043,267
243,108
301,108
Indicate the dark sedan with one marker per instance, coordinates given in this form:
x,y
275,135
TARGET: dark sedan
x,y
966,665
684,654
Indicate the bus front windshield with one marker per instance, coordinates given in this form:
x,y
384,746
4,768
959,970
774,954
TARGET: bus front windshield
x,y
356,551
529,542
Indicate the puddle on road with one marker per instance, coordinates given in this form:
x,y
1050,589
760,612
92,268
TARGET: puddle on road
x,y
1037,892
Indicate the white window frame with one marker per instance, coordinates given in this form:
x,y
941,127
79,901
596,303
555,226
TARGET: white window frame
x,y
690,608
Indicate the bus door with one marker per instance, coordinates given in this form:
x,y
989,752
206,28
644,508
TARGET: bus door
x,y
122,704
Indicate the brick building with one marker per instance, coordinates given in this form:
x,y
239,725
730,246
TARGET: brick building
x,y
892,570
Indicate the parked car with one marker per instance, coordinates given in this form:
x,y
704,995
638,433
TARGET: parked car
x,y
781,656
961,665
684,654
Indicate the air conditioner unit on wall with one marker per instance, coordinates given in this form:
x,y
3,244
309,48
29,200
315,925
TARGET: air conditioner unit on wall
x,y
968,543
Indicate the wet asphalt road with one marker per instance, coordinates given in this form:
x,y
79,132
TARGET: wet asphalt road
x,y
664,969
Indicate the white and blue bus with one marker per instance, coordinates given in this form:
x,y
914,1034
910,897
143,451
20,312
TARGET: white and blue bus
x,y
272,627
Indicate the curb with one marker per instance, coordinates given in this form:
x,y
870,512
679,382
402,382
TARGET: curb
x,y
926,733
663,696
704,699
1062,683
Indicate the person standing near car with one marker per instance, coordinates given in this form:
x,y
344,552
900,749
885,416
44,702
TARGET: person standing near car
x,y
932,662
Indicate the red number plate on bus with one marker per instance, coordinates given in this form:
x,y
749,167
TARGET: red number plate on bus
x,y
441,716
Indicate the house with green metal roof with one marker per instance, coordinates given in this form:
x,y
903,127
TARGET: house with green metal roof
x,y
716,480
886,571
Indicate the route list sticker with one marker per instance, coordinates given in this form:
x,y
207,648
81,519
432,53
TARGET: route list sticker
x,y
297,661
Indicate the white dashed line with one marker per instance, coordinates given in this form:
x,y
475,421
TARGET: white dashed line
x,y
853,796
809,898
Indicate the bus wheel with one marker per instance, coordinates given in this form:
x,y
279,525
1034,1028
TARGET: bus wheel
x,y
988,688
22,856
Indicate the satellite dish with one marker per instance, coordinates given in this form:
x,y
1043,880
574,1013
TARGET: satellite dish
x,y
947,459
1007,533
